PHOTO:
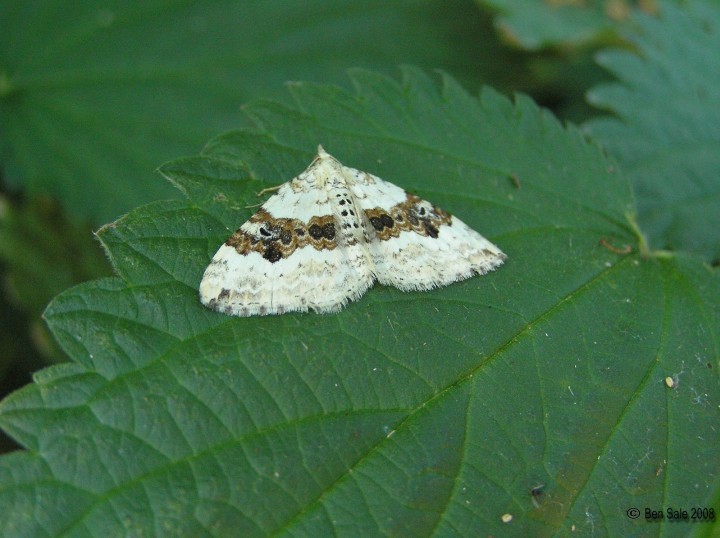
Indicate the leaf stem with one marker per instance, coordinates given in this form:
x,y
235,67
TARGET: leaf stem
x,y
643,246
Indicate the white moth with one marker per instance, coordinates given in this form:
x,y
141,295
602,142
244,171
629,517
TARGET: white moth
x,y
328,235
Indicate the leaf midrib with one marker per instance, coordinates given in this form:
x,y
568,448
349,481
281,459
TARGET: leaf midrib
x,y
462,379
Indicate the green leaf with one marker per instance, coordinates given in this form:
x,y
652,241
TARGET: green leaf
x,y
534,24
93,96
561,37
406,413
667,130
42,253
45,252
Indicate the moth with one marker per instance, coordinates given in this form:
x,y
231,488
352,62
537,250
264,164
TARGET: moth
x,y
328,235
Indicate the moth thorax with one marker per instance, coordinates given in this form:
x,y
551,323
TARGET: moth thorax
x,y
347,213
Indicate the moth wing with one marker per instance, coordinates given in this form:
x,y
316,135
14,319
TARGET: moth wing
x,y
287,258
415,245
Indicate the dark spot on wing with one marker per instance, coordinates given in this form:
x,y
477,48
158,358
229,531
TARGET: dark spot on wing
x,y
430,229
286,237
316,232
272,253
328,230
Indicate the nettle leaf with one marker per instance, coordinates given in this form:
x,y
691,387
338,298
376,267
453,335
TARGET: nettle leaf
x,y
534,24
406,413
93,95
44,252
667,130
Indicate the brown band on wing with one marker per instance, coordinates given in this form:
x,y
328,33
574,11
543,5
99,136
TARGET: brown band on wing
x,y
414,214
279,238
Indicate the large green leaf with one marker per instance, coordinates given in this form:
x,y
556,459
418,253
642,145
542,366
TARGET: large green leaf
x,y
407,413
667,130
94,94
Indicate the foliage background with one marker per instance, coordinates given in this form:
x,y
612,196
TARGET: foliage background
x,y
95,96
